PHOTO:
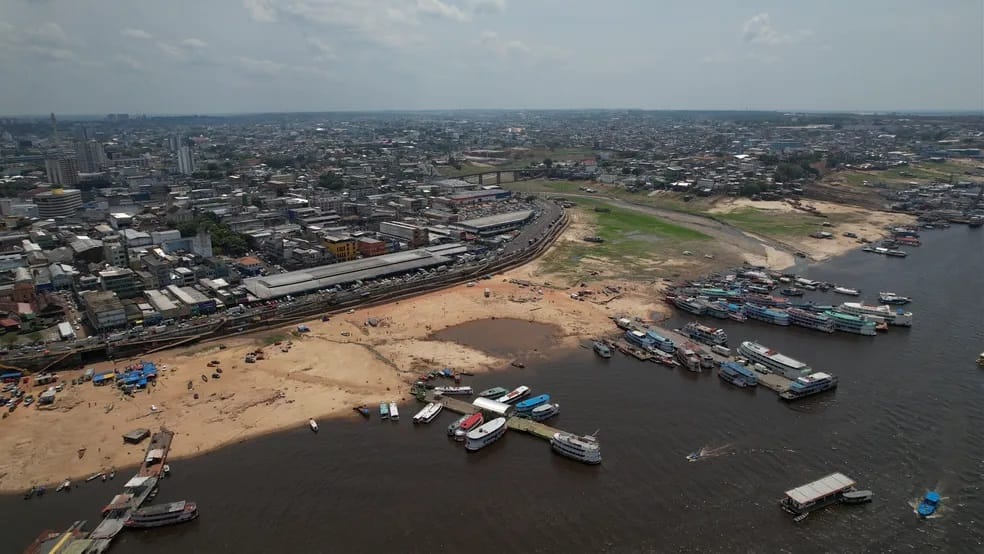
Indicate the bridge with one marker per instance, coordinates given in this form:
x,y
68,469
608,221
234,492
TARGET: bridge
x,y
515,174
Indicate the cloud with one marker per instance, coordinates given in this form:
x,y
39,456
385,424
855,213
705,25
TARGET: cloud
x,y
482,7
172,50
492,42
47,42
128,62
442,9
759,30
261,10
323,51
48,34
136,33
194,43
260,67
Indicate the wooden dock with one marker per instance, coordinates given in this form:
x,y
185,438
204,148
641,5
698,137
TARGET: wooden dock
x,y
515,423
772,381
534,428
449,403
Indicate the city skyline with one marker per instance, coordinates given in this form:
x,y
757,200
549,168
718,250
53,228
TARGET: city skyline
x,y
252,56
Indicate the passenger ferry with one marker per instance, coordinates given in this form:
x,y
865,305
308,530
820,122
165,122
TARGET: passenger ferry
x,y
773,361
530,403
485,434
515,395
691,305
581,448
897,316
737,374
718,309
638,338
162,514
660,342
810,320
808,385
852,323
494,392
818,494
544,412
689,357
847,291
705,334
716,294
768,315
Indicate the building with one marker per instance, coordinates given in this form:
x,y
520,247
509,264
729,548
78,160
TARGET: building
x,y
91,156
103,310
124,282
58,203
186,161
249,265
162,304
114,252
342,248
473,197
369,247
62,171
414,235
196,302
496,224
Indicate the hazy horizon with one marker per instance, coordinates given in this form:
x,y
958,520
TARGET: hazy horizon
x,y
232,57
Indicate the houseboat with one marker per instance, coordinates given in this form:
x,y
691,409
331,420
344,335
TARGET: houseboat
x,y
737,374
818,494
690,304
705,334
485,434
897,316
810,320
809,385
768,315
848,323
689,357
659,342
773,361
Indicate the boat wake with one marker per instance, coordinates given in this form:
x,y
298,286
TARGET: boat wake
x,y
708,452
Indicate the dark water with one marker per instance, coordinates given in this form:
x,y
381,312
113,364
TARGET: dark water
x,y
908,416
503,337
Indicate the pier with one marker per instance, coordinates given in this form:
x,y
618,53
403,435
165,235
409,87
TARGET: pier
x,y
513,422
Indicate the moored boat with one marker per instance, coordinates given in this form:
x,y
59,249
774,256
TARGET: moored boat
x,y
485,434
470,422
450,391
847,291
691,305
544,412
689,357
848,323
394,412
581,448
892,298
737,374
818,494
362,410
809,385
810,320
428,413
527,405
65,486
162,514
660,342
856,497
383,410
516,394
705,334
494,392
721,350
313,425
773,360
456,424
791,291
897,316
768,315
601,349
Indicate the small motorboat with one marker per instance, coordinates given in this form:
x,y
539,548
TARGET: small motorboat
x,y
602,349
205,379
892,298
94,476
847,291
694,456
980,360
856,497
65,486
166,470
41,490
929,504
104,478
313,425
112,474
792,291
363,410
384,410
30,493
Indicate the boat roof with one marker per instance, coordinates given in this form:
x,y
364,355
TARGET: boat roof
x,y
486,428
820,488
136,481
158,509
118,502
933,496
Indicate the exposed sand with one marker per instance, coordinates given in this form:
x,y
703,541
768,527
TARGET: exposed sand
x,y
867,224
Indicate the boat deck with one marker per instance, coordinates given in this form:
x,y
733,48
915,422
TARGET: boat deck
x,y
772,381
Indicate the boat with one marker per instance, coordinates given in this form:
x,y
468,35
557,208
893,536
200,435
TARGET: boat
x,y
892,298
313,425
695,455
451,391
706,360
362,410
530,403
980,360
94,476
112,474
809,385
456,424
908,241
581,448
428,413
689,357
166,470
494,392
601,349
929,504
848,323
705,334
162,514
773,360
65,486
717,308
394,412
810,320
485,434
818,494
897,316
768,315
791,291
660,342
847,291
737,316
515,395
469,422
737,374
896,253
30,493
544,412
975,221
691,305
721,350
383,410
856,497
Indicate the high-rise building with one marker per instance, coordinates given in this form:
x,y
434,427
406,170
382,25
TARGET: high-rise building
x,y
62,171
58,203
91,156
186,162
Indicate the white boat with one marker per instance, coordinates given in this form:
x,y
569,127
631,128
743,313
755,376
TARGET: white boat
x,y
66,486
774,361
453,390
313,425
515,395
394,412
428,413
544,412
721,350
847,291
581,448
485,434
891,316
456,424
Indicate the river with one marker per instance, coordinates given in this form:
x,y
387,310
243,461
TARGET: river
x,y
908,416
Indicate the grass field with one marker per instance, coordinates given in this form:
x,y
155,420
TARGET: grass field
x,y
770,223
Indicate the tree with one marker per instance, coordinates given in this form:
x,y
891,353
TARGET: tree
x,y
331,181
547,163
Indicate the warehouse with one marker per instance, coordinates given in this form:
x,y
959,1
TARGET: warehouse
x,y
496,224
309,280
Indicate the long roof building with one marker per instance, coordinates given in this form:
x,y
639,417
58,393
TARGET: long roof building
x,y
317,278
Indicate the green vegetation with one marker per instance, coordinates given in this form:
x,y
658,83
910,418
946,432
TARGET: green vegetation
x,y
549,185
617,225
273,339
224,240
771,223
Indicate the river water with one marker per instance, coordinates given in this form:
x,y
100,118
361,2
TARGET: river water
x,y
908,416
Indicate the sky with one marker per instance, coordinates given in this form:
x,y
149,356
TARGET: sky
x,y
235,56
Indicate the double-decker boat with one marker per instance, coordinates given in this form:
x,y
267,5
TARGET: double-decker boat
x,y
852,324
705,334
810,320
162,514
768,315
897,316
581,448
809,385
485,434
773,361
737,374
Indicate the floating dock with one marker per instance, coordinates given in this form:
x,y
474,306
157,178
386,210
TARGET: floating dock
x,y
515,423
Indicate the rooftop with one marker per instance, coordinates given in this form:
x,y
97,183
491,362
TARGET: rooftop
x,y
820,488
498,219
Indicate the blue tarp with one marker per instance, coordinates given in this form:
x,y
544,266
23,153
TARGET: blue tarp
x,y
11,375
